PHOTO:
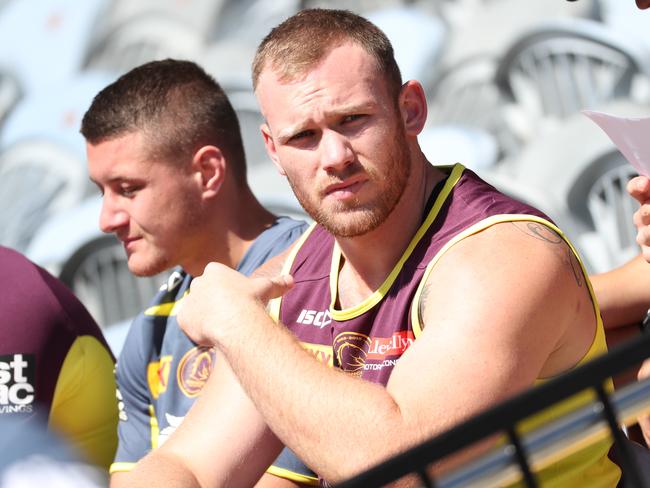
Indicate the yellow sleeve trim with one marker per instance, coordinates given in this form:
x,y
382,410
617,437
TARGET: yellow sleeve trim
x,y
291,476
84,407
274,305
475,229
121,467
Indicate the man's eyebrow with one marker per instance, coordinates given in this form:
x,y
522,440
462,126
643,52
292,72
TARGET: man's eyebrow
x,y
286,133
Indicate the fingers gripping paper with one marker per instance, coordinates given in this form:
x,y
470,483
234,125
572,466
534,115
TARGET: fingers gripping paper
x,y
631,135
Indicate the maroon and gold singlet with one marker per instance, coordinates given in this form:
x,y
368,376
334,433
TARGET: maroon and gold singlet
x,y
368,339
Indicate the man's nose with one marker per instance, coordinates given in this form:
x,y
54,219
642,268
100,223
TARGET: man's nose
x,y
336,151
111,216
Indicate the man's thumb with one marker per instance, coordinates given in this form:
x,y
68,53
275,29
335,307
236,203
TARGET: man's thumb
x,y
274,287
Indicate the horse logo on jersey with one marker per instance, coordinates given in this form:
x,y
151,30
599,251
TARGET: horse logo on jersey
x,y
351,349
194,369
356,352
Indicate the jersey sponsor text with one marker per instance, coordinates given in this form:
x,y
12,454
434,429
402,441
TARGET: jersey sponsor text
x,y
396,345
16,383
314,317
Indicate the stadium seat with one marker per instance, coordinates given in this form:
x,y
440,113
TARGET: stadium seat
x,y
142,38
465,94
54,113
59,236
418,39
98,274
199,15
37,179
558,68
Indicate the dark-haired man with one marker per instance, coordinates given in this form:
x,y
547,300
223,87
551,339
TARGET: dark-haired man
x,y
165,149
422,297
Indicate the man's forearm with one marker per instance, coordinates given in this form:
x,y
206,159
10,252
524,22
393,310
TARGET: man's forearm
x,y
158,468
623,304
314,410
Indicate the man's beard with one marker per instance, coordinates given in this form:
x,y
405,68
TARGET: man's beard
x,y
351,218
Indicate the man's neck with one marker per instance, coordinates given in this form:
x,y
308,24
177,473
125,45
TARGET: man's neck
x,y
369,259
228,237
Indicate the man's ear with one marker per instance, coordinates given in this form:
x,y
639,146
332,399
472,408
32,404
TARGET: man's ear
x,y
413,107
209,164
270,147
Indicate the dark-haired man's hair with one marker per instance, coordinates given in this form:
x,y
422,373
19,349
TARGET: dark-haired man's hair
x,y
176,105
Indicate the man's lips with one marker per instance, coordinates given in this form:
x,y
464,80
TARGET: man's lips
x,y
128,241
344,189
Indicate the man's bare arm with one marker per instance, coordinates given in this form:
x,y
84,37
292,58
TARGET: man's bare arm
x,y
223,441
624,293
525,293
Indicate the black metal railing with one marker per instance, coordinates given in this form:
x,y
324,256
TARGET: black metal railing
x,y
601,417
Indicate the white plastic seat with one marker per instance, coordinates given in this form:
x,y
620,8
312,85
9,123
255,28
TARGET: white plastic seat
x,y
466,94
37,179
556,69
611,208
143,38
99,276
199,15
418,39
55,113
10,93
59,236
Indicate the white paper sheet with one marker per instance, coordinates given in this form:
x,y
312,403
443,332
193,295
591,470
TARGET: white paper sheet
x,y
631,135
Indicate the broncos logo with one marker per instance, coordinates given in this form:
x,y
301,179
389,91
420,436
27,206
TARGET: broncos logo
x,y
351,349
194,369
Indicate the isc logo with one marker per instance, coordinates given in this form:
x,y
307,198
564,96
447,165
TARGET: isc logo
x,y
16,381
314,317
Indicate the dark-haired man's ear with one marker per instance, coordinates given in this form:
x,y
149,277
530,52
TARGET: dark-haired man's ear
x,y
209,163
413,107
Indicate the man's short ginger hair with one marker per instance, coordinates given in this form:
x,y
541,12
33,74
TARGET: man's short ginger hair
x,y
176,105
299,43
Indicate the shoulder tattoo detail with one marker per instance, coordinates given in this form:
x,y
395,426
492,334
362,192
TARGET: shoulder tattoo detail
x,y
543,233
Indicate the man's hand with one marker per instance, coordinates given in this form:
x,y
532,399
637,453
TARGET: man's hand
x,y
220,297
639,188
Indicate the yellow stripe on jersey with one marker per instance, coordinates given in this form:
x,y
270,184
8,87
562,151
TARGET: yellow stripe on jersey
x,y
376,297
155,430
274,305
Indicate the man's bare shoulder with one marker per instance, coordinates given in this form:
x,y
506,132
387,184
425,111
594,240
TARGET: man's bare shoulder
x,y
524,281
523,249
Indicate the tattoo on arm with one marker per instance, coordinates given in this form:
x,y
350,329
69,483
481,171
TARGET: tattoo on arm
x,y
538,231
543,233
